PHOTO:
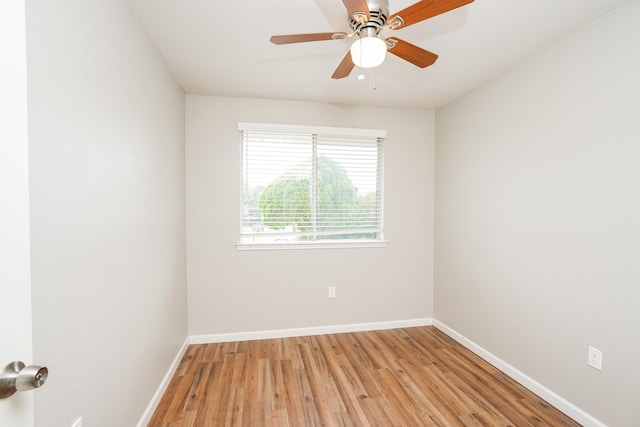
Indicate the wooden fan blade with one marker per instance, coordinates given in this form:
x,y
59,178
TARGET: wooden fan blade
x,y
345,67
424,9
358,9
301,38
412,53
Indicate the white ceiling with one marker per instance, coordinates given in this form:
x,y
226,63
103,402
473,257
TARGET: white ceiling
x,y
216,47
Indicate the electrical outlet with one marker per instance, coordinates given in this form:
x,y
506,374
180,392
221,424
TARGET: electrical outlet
x,y
332,291
595,358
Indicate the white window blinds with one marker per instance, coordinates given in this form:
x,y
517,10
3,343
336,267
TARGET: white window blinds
x,y
303,184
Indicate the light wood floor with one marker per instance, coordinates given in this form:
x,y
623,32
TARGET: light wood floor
x,y
391,378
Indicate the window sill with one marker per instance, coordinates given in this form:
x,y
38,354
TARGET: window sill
x,y
309,245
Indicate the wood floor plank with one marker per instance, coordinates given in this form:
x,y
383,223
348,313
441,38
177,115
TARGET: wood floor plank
x,y
165,402
291,393
323,400
219,390
402,377
311,415
348,347
380,413
210,352
348,391
426,397
401,403
235,408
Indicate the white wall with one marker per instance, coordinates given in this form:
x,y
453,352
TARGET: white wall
x,y
537,249
106,124
232,291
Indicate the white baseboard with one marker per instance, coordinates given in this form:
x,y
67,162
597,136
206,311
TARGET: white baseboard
x,y
302,332
559,402
148,413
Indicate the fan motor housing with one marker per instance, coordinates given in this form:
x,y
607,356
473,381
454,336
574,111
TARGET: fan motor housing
x,y
378,15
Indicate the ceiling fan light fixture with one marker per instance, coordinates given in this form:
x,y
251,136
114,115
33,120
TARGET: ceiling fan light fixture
x,y
368,52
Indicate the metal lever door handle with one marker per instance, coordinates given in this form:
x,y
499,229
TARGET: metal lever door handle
x,y
16,377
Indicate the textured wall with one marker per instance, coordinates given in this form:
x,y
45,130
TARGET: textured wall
x,y
538,216
106,123
239,291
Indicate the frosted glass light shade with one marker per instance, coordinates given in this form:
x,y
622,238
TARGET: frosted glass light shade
x,y
368,52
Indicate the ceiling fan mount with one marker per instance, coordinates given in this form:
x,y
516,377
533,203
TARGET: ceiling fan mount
x,y
367,18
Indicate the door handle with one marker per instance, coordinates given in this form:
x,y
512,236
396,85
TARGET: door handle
x,y
18,377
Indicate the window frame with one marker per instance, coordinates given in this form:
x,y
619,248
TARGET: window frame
x,y
324,131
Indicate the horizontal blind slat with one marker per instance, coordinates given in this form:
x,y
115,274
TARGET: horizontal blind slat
x,y
277,174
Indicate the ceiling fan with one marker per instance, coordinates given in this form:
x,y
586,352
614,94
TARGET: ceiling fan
x,y
367,19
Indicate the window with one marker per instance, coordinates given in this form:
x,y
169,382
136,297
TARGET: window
x,y
307,187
